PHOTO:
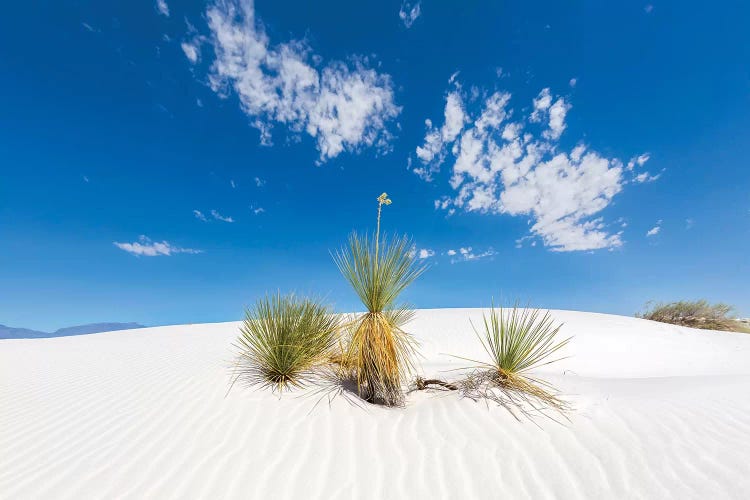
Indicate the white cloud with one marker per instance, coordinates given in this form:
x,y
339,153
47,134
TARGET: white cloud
x,y
654,230
162,7
433,152
231,183
343,106
191,50
645,177
639,160
557,114
516,167
85,179
425,253
199,215
145,247
465,254
409,13
216,215
259,182
573,82
257,210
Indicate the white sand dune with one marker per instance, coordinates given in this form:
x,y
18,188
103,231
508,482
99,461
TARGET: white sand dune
x,y
661,412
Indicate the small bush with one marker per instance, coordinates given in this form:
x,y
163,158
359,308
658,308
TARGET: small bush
x,y
516,342
695,314
283,338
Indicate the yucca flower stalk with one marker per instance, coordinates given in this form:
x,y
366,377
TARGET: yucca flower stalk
x,y
379,350
283,339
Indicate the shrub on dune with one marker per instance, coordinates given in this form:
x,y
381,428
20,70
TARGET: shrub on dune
x,y
693,313
378,349
283,339
516,341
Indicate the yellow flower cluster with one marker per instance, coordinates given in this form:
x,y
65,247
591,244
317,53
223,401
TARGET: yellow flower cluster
x,y
383,199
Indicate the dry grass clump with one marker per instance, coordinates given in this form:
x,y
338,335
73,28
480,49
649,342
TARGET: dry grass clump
x,y
695,314
283,339
378,350
516,342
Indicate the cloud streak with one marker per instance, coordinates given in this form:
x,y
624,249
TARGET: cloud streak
x,y
162,7
216,215
654,230
465,254
147,248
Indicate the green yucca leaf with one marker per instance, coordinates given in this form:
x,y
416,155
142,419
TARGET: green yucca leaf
x,y
520,339
378,271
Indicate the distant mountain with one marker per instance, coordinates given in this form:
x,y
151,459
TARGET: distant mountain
x,y
7,332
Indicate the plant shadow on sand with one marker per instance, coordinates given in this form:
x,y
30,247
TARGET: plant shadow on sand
x,y
521,398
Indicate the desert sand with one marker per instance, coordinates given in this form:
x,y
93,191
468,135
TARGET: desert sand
x,y
660,412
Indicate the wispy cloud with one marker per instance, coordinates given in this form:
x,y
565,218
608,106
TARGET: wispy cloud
x,y
191,51
90,28
689,223
654,230
648,9
425,253
573,82
259,182
505,163
231,183
162,7
646,177
199,215
409,13
257,210
344,106
85,179
216,215
147,248
465,254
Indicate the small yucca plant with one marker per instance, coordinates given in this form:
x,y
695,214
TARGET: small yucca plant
x,y
517,341
379,350
283,338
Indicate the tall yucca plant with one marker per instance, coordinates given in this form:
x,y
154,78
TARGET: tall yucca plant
x,y
379,350
283,338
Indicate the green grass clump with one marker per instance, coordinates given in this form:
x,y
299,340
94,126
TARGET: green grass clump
x,y
283,339
378,350
516,341
693,313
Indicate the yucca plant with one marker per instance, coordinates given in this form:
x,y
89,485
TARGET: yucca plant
x,y
378,349
283,338
516,341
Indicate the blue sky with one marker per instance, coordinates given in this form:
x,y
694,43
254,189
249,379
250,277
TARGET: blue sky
x,y
167,162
